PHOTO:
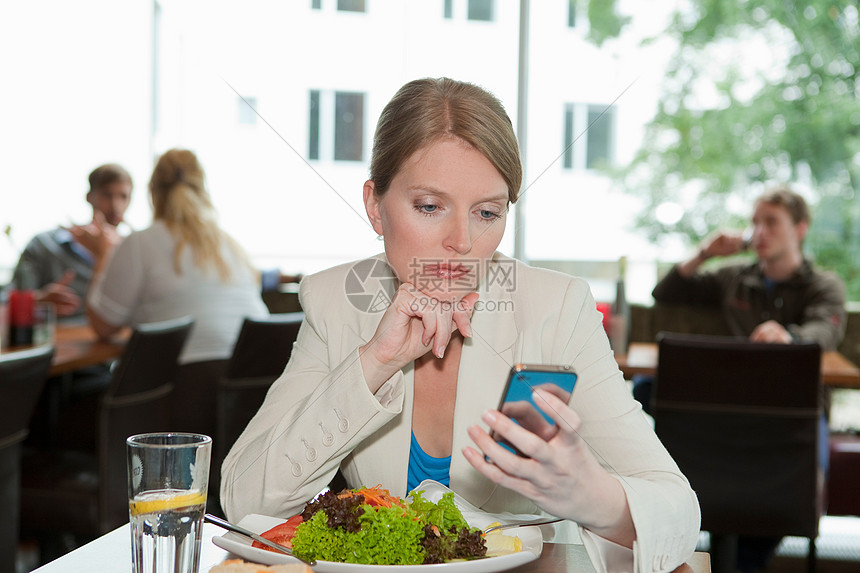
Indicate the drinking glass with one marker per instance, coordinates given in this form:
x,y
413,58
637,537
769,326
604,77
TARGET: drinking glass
x,y
168,476
44,323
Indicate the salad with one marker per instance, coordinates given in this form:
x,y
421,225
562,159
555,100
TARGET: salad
x,y
372,527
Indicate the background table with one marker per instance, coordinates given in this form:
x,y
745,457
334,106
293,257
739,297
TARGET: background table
x,y
836,370
112,552
77,346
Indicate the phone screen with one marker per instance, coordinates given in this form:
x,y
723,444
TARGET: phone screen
x,y
518,400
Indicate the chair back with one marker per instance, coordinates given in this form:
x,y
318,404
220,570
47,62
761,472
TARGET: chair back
x,y
22,378
262,351
741,419
136,402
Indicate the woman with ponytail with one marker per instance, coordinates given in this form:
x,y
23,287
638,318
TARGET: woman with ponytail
x,y
183,264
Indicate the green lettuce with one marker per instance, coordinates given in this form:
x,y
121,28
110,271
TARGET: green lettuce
x,y
422,532
388,536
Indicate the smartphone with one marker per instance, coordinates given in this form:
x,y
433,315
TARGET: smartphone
x,y
518,402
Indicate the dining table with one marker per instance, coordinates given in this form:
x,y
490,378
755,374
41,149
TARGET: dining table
x,y
641,358
76,346
112,552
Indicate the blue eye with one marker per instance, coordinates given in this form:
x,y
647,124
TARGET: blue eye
x,y
489,215
427,209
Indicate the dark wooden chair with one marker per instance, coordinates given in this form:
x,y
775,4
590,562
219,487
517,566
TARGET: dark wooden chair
x,y
85,493
22,379
742,419
843,491
262,351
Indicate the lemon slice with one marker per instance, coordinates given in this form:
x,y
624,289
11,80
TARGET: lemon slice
x,y
164,501
500,544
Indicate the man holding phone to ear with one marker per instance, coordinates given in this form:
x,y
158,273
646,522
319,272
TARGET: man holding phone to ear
x,y
779,298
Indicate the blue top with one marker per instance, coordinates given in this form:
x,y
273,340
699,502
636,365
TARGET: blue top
x,y
423,466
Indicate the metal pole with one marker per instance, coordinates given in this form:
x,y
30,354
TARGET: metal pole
x,y
522,109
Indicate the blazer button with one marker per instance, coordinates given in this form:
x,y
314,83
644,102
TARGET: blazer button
x,y
343,423
328,437
310,452
295,467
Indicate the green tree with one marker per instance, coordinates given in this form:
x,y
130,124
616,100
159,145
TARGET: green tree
x,y
758,91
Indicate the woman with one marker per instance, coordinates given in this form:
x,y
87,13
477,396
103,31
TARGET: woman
x,y
183,264
391,397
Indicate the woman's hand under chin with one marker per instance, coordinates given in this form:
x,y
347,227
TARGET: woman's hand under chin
x,y
414,324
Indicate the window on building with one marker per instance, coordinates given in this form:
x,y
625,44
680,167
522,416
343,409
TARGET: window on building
x,y
589,136
336,126
481,10
448,9
247,105
316,4
571,13
567,157
314,125
351,5
348,126
600,141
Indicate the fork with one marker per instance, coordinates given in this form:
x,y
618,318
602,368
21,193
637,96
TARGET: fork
x,y
522,523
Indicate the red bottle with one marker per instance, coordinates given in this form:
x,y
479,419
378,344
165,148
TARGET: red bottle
x,y
22,307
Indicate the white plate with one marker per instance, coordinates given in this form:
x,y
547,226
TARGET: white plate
x,y
530,536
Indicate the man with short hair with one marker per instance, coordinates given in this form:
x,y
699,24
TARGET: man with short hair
x,y
61,260
778,298
60,263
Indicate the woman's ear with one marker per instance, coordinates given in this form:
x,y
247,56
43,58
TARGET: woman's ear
x,y
373,207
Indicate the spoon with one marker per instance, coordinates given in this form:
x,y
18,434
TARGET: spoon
x,y
241,531
523,523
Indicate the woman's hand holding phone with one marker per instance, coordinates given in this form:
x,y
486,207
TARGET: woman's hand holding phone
x,y
518,402
561,475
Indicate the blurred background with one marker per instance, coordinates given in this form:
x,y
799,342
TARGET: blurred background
x,y
644,125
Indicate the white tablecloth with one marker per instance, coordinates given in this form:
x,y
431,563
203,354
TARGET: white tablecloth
x,y
112,552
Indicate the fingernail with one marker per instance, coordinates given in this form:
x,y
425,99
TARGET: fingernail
x,y
468,332
489,417
441,352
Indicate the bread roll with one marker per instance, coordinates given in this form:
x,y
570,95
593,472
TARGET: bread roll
x,y
239,566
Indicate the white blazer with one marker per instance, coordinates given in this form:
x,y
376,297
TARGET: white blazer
x,y
320,416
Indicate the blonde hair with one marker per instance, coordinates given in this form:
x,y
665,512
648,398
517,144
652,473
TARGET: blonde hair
x,y
426,110
180,199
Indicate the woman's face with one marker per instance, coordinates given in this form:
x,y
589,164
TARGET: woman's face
x,y
442,218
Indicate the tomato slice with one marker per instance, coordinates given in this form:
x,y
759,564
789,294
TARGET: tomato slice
x,y
281,534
